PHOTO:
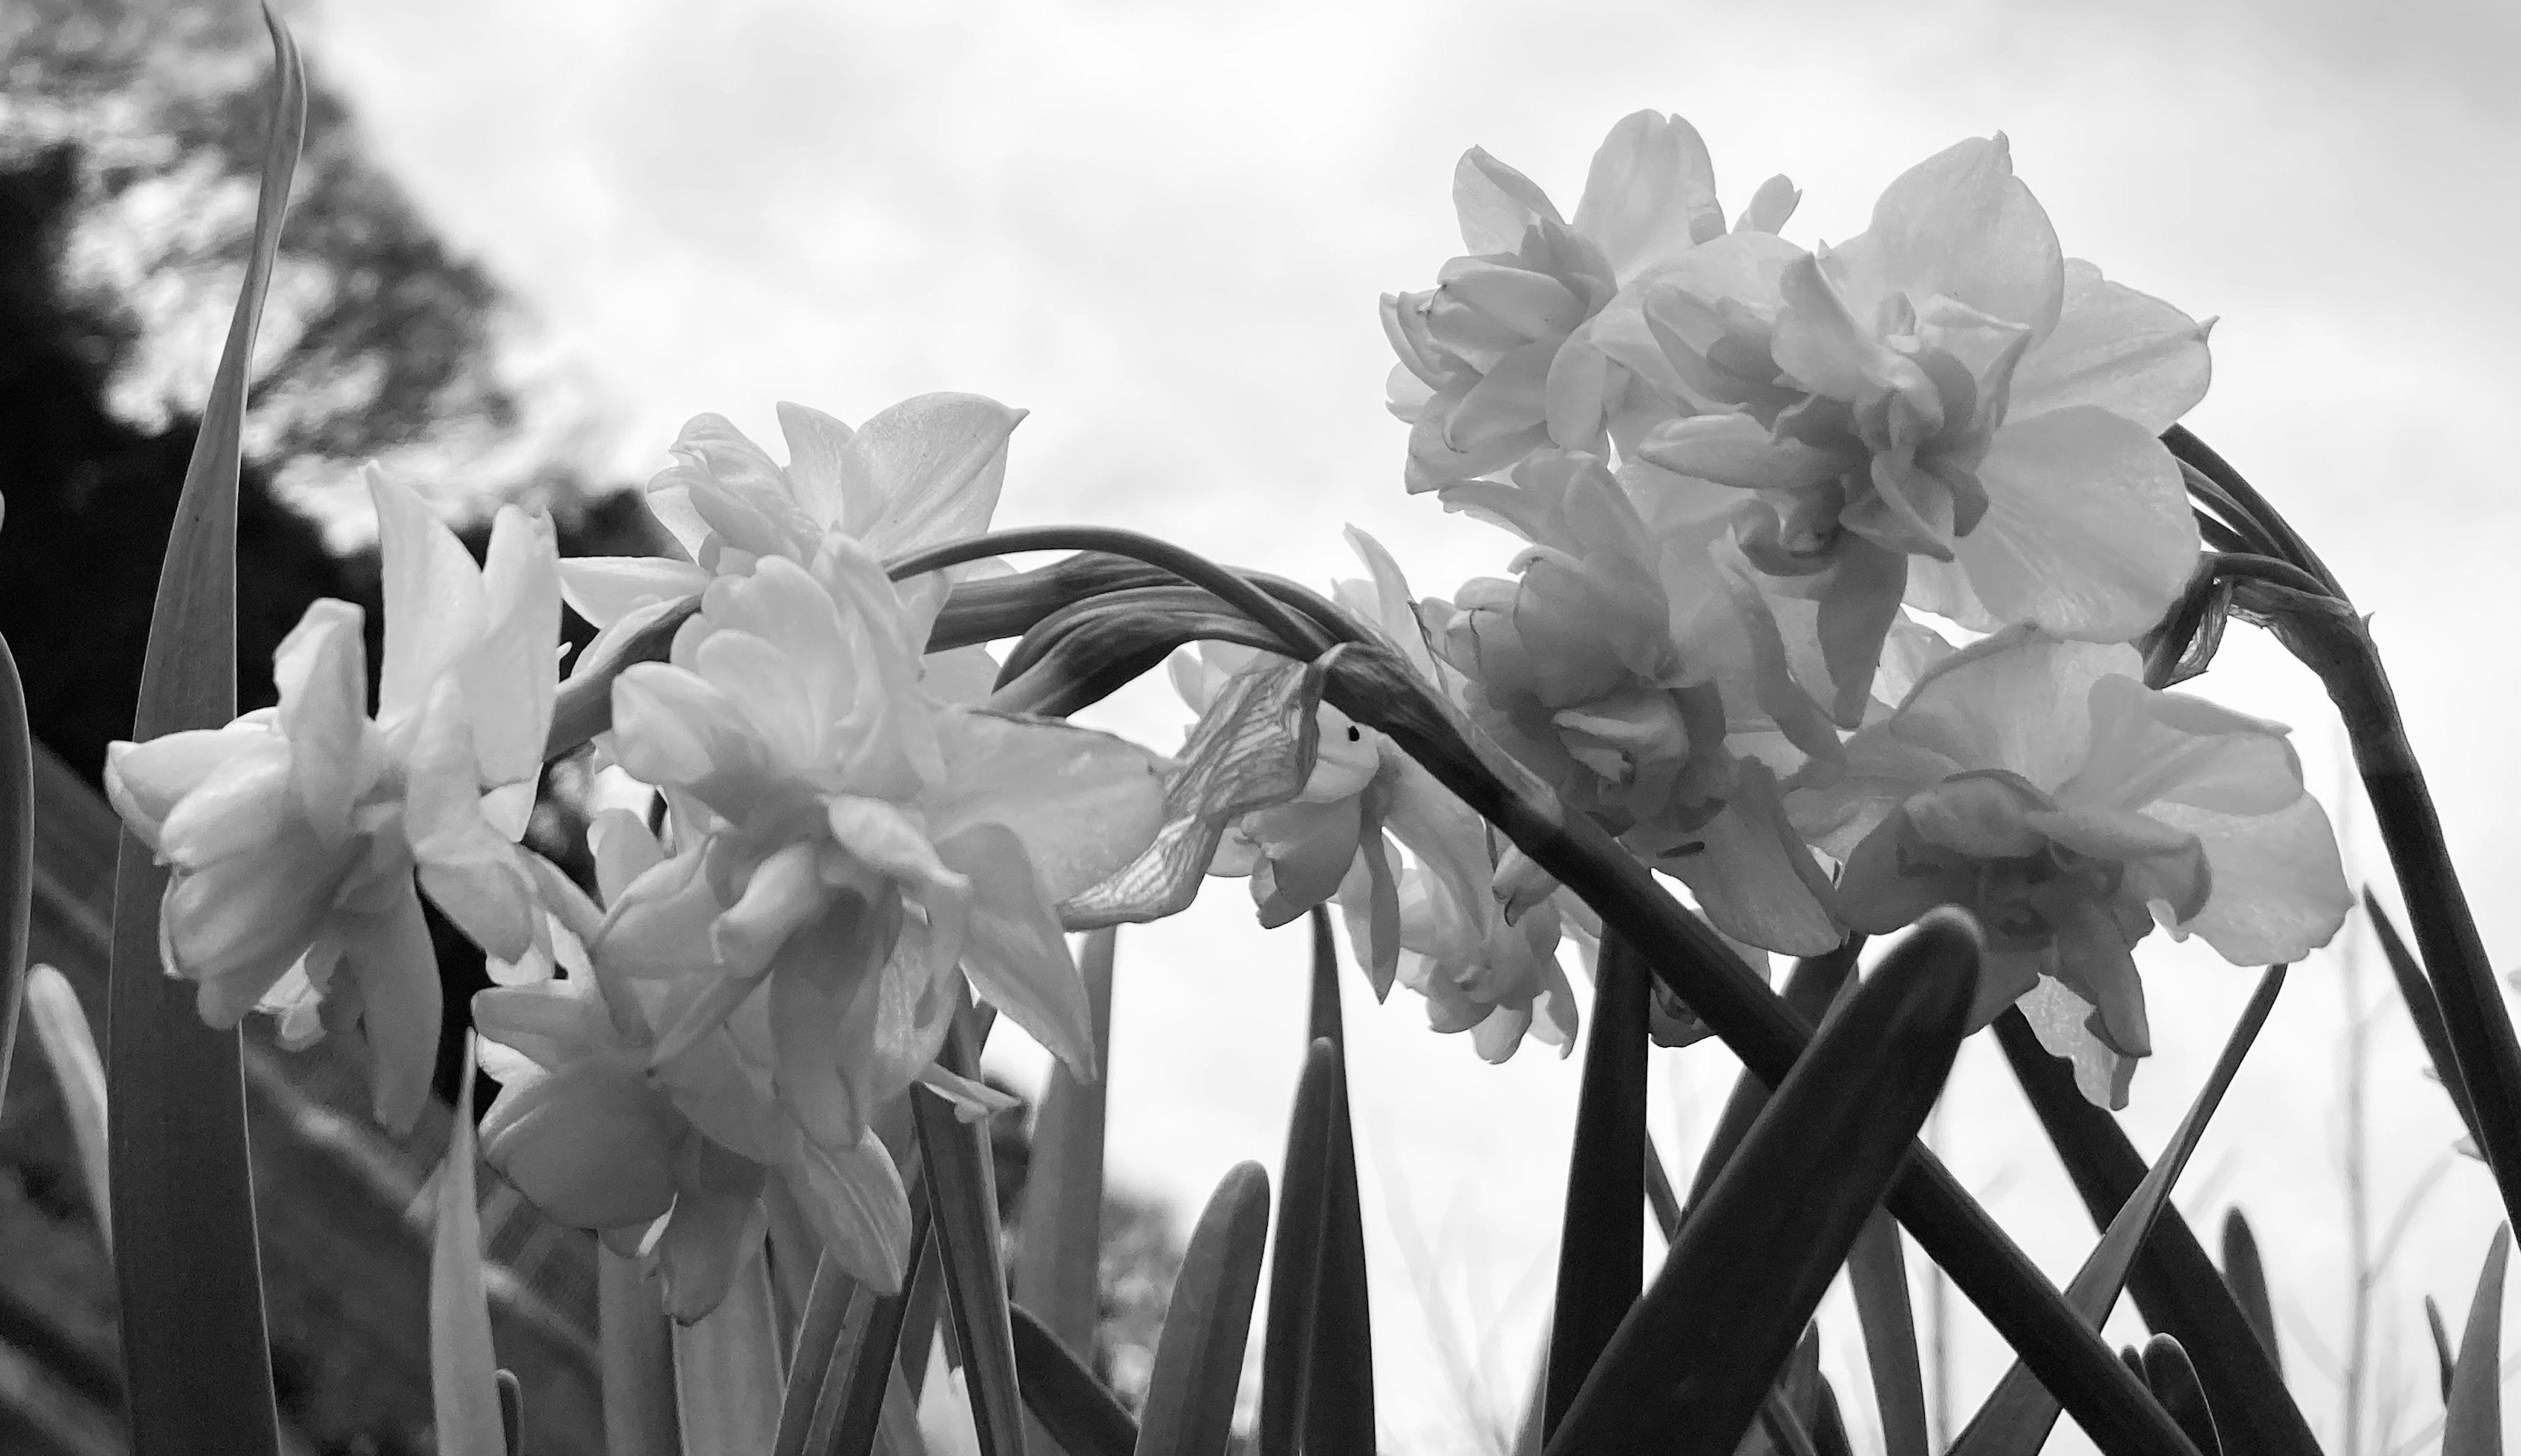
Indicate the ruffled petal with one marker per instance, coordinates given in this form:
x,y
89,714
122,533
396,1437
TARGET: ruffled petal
x,y
321,669
2279,890
1754,880
1962,225
1651,194
1083,803
590,1144
2018,700
1496,204
146,781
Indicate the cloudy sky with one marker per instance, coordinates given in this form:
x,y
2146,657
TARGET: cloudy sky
x,y
1163,227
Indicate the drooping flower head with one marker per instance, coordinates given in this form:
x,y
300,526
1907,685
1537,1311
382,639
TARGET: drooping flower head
x,y
2041,785
860,839
294,834
1943,409
1496,359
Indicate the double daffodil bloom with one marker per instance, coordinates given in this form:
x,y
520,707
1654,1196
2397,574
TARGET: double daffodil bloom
x,y
2041,785
294,834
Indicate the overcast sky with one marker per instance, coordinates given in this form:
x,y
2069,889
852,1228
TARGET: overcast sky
x,y
1163,227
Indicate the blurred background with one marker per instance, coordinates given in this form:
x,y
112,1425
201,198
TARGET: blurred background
x,y
531,236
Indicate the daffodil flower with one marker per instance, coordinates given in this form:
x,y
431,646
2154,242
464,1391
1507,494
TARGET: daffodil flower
x,y
1616,675
925,470
667,1161
1943,409
1497,360
294,834
2041,785
859,839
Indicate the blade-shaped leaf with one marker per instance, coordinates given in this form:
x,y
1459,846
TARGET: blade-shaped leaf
x,y
2248,1277
1058,1264
1765,1243
2017,1417
1811,987
17,856
635,1350
62,1030
1339,1391
1289,1338
962,1195
1084,1418
2173,1383
197,1360
2473,1412
727,1371
1601,1254
1252,746
856,1397
463,1372
1878,1274
2175,1285
512,1412
2443,1360
2422,1008
1199,1359
837,1309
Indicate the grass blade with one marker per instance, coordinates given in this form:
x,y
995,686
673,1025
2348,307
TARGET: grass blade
x,y
1199,1360
463,1371
1290,1337
62,1030
2473,1412
635,1350
2018,1416
1072,1405
836,1315
2423,1010
1601,1254
1689,1365
2248,1277
16,855
727,1369
2176,1285
197,1359
856,1400
1339,1391
962,1195
1879,1276
2443,1360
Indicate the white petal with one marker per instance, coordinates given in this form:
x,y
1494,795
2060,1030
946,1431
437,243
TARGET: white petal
x,y
1014,952
2017,700
936,463
604,589
1651,193
2087,530
435,606
1755,878
1962,225
321,669
817,445
2278,890
1083,803
858,1205
510,675
2114,348
1496,204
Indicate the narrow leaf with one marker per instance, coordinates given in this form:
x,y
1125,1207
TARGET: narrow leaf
x,y
962,1194
832,1305
197,1359
635,1350
1661,1199
1811,987
2017,1417
727,1370
2443,1360
2473,1412
2423,1010
1339,1391
1602,1253
1288,1337
2176,1285
62,1030
1878,1273
1059,1257
1073,1406
512,1412
2173,1382
1770,1234
16,859
1199,1359
2248,1277
463,1374
1784,1430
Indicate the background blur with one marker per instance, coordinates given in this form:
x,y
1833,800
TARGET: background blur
x,y
533,236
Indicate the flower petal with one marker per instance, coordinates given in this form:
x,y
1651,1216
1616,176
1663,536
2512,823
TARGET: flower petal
x,y
1962,225
604,589
818,471
394,968
858,1205
1754,880
2017,700
1083,803
2087,532
510,674
1014,952
1496,204
433,603
590,1144
1651,193
2123,351
2279,891
321,669
932,465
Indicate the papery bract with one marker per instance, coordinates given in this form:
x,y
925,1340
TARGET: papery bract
x,y
2039,784
295,832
